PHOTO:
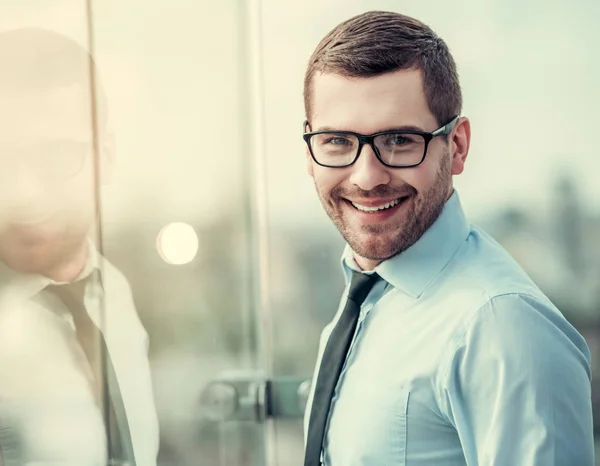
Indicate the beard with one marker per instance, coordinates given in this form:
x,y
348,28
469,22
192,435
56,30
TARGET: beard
x,y
379,242
42,248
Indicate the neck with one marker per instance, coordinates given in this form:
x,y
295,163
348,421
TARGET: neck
x,y
365,265
71,267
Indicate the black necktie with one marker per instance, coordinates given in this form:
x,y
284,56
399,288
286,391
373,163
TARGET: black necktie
x,y
105,388
332,362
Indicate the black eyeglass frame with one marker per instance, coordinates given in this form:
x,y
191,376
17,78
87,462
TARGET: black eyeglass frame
x,y
370,140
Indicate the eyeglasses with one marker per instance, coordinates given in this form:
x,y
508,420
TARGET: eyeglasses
x,y
395,149
52,160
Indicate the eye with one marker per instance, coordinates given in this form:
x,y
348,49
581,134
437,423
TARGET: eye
x,y
399,142
338,140
399,139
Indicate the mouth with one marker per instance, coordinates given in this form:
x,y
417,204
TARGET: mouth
x,y
379,207
30,220
375,211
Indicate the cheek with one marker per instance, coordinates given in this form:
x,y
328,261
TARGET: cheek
x,y
420,177
428,174
76,198
327,179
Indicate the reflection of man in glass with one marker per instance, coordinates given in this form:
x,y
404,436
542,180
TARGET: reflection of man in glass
x,y
443,350
69,393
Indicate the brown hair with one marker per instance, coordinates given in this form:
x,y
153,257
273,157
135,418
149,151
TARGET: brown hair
x,y
380,42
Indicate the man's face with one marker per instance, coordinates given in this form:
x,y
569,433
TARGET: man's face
x,y
367,105
46,174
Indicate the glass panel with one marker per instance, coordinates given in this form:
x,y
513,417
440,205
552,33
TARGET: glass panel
x,y
175,256
177,213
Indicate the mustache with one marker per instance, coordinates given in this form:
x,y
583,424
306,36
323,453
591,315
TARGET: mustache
x,y
375,193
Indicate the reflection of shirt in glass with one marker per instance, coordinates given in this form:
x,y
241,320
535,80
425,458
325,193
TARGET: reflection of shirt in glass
x,y
458,358
45,379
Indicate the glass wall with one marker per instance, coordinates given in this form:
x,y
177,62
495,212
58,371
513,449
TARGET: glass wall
x,y
179,216
166,119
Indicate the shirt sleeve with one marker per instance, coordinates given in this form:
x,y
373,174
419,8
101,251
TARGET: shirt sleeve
x,y
518,387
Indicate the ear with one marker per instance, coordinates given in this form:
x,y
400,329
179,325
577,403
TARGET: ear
x,y
309,163
107,157
309,160
460,140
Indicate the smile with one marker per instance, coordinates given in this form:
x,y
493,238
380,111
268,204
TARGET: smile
x,y
387,205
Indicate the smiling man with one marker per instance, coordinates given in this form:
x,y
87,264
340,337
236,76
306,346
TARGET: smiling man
x,y
442,351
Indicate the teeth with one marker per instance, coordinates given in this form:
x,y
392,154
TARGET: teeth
x,y
376,208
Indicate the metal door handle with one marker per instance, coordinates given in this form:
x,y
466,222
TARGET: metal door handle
x,y
251,397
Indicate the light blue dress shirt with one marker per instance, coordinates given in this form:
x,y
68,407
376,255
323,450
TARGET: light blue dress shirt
x,y
459,359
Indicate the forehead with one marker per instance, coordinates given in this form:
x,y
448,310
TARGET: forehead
x,y
59,113
368,105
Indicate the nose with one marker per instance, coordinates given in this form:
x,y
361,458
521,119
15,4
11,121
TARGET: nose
x,y
368,172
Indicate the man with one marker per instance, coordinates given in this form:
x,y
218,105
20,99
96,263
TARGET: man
x,y
75,384
443,351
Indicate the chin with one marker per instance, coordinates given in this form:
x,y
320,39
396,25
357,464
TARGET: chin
x,y
37,254
375,247
28,260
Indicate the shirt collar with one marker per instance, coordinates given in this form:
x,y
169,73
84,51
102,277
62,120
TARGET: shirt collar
x,y
414,269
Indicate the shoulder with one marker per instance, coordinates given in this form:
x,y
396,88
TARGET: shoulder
x,y
480,275
484,265
523,336
517,314
496,304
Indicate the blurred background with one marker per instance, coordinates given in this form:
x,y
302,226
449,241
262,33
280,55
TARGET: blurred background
x,y
213,220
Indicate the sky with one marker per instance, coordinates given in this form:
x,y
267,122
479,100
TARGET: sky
x,y
188,110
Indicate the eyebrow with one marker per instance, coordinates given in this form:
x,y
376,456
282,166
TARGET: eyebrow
x,y
393,128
